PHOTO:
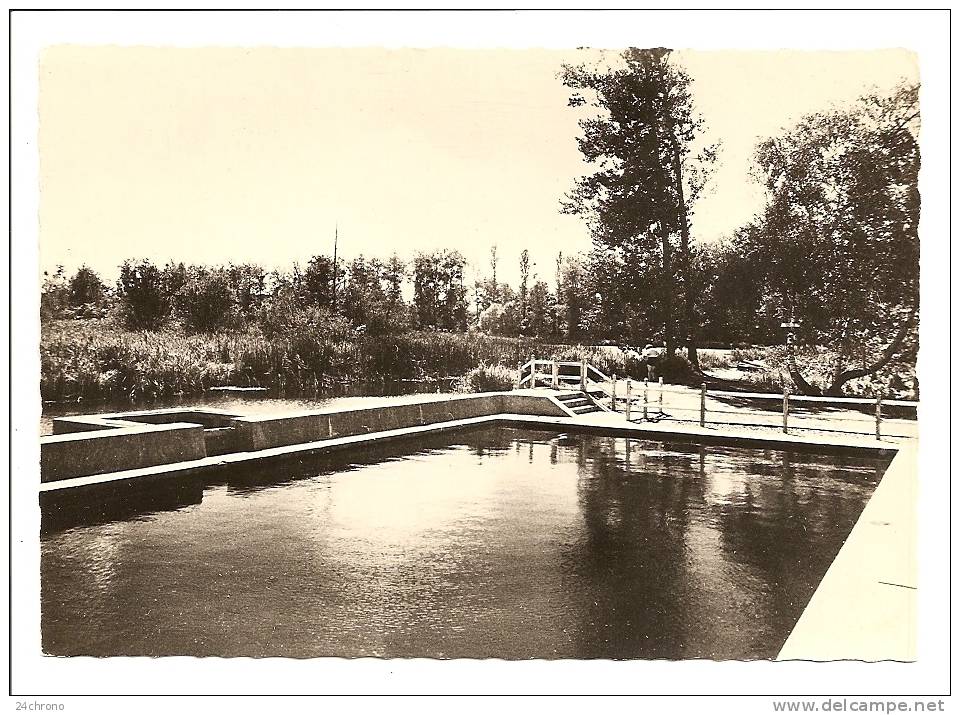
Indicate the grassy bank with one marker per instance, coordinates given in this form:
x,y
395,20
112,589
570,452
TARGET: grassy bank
x,y
95,359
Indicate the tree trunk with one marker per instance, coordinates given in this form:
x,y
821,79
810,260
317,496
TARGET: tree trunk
x,y
835,389
684,258
841,351
668,324
801,384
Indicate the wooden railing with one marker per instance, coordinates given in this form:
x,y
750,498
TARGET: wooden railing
x,y
559,372
787,412
645,401
788,416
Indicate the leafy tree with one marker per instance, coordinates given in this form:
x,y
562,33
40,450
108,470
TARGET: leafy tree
x,y
540,310
558,295
86,287
173,278
439,294
524,290
638,201
365,301
208,302
318,280
144,300
394,275
249,285
838,240
54,294
490,319
488,291
731,300
619,298
573,297
478,298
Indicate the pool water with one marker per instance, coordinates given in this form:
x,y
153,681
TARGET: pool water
x,y
494,542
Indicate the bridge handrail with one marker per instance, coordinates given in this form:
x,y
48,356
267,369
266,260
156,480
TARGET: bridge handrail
x,y
533,374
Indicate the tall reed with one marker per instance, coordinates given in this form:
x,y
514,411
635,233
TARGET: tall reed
x,y
95,359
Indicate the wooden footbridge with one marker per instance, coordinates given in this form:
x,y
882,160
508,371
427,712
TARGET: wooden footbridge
x,y
582,389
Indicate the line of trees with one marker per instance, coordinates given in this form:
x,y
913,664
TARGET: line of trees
x,y
581,300
361,294
366,294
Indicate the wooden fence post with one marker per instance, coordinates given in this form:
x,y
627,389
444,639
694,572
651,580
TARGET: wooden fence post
x,y
703,404
583,375
661,396
786,407
613,396
645,400
555,375
629,399
879,413
519,374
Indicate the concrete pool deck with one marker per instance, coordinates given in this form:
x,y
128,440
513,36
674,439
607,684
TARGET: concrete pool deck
x,y
864,607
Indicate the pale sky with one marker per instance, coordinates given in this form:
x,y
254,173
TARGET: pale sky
x,y
220,155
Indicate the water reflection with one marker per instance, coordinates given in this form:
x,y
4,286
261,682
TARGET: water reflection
x,y
115,502
494,542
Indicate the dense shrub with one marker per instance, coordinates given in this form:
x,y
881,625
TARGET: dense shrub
x,y
82,296
285,316
86,288
207,301
54,295
487,378
676,369
144,302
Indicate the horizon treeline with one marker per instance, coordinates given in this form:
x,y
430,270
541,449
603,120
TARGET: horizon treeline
x,y
368,295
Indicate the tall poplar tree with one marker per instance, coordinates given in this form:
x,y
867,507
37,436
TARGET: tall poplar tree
x,y
638,202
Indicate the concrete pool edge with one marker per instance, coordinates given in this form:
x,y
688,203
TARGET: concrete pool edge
x,y
613,425
609,424
865,607
88,445
197,466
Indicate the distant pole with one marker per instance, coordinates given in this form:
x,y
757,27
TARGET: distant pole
x,y
629,399
661,395
786,407
645,400
879,413
703,404
613,396
519,374
335,236
533,372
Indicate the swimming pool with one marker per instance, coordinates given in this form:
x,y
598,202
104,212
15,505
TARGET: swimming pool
x,y
492,542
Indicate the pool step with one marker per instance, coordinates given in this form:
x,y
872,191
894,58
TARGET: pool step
x,y
578,403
